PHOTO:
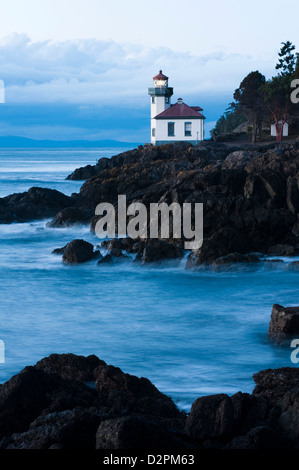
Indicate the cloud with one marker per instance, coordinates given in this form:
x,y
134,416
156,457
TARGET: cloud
x,y
91,71
97,89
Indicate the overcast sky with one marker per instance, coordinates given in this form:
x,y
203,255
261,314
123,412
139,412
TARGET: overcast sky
x,y
92,60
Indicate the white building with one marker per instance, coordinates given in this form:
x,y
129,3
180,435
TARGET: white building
x,y
285,131
173,122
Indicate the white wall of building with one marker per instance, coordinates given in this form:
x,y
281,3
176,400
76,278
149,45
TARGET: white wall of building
x,y
159,105
161,134
285,131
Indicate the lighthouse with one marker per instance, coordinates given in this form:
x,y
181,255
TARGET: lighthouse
x,y
160,95
173,122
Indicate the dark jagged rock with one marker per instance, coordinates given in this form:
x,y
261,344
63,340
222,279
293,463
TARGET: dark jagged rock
x,y
126,244
70,366
250,193
249,411
260,438
281,250
107,259
78,251
76,402
280,388
233,258
233,422
211,417
36,203
34,392
70,216
284,323
88,171
274,384
221,418
61,411
138,432
68,429
116,248
209,251
119,392
115,252
154,250
146,250
6,214
58,251
237,160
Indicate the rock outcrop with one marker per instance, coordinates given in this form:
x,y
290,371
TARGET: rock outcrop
x,y
70,216
74,402
250,194
86,172
37,203
78,251
154,250
284,323
144,251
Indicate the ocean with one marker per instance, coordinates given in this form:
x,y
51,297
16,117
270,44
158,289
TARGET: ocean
x,y
190,333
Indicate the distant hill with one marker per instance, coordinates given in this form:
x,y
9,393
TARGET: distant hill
x,y
21,142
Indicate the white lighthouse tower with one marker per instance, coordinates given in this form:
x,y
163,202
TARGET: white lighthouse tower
x,y
173,122
160,95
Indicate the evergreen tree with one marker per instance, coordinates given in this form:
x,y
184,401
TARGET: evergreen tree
x,y
257,99
278,89
287,60
249,98
228,122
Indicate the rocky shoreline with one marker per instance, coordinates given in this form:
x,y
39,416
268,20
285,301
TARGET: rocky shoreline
x,y
250,196
74,402
251,201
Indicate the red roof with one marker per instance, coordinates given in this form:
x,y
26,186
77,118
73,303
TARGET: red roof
x,y
180,111
197,108
160,76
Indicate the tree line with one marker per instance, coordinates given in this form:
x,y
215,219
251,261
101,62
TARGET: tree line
x,y
258,100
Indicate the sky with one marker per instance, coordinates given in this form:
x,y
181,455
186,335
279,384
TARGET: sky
x,y
80,69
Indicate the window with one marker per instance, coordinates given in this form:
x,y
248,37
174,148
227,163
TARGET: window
x,y
171,129
153,100
167,100
188,129
153,132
